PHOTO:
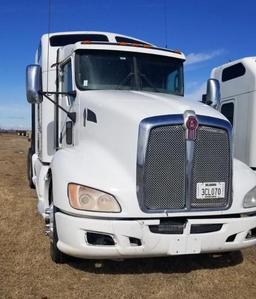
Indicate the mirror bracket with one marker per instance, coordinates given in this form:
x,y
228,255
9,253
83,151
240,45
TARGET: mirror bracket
x,y
71,115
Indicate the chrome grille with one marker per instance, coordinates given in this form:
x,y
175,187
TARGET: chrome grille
x,y
211,163
164,176
162,172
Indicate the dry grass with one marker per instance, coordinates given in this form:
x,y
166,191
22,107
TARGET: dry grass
x,y
26,270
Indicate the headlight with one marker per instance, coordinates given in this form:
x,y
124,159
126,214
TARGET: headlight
x,y
250,199
89,199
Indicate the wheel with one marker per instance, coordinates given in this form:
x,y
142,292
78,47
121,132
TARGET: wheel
x,y
29,169
57,256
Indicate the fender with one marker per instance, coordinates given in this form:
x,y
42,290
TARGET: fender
x,y
93,166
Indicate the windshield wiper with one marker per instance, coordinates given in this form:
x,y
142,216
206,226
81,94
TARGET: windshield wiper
x,y
120,85
149,82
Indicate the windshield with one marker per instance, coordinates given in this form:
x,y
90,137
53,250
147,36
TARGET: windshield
x,y
104,69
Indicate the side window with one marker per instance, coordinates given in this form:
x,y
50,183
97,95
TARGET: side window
x,y
67,79
228,111
173,82
233,71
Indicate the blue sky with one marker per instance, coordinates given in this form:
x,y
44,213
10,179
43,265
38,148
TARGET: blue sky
x,y
210,33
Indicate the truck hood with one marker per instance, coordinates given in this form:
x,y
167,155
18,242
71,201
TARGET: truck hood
x,y
138,105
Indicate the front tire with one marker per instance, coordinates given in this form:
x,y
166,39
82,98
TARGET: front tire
x,y
57,256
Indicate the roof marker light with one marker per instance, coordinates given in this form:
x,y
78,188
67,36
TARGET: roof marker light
x,y
86,42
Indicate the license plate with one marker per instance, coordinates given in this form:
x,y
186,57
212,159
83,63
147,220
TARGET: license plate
x,y
210,190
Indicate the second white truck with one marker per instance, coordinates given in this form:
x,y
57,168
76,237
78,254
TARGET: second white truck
x,y
122,164
238,103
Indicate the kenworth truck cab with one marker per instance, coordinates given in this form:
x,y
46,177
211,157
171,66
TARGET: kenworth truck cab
x,y
122,164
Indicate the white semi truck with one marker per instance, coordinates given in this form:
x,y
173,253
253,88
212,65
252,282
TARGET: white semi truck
x,y
122,164
238,103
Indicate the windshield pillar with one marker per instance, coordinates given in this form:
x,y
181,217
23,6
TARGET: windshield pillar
x,y
137,82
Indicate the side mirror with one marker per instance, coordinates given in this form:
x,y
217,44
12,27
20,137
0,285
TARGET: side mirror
x,y
212,97
34,84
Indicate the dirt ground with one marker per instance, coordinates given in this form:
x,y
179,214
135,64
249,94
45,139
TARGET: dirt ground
x,y
26,270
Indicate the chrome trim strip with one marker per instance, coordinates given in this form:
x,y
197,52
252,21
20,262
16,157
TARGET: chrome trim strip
x,y
146,126
190,149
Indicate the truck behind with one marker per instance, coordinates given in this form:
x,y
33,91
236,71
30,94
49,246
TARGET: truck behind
x,y
238,103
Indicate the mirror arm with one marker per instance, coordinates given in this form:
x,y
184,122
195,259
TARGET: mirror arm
x,y
71,115
70,93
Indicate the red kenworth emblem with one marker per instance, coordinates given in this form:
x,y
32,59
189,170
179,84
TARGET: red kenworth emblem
x,y
191,125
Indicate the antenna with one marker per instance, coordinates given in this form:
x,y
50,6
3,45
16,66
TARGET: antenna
x,y
48,47
165,23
